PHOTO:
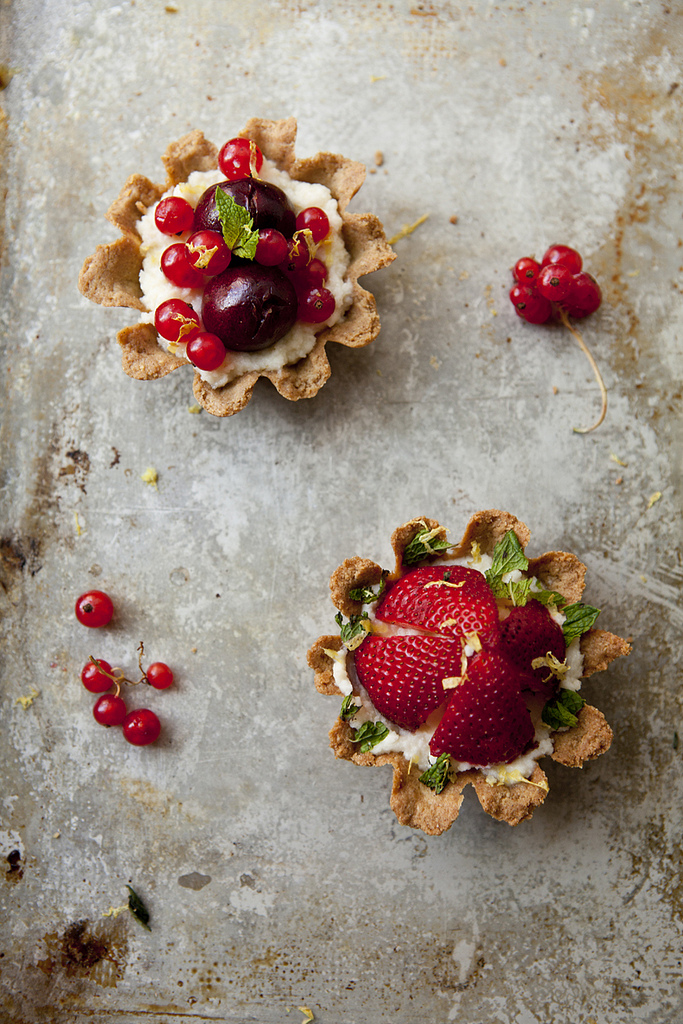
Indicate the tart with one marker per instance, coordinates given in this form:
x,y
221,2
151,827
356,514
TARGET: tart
x,y
128,272
463,667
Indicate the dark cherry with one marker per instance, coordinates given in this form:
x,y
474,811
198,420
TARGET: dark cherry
x,y
249,307
267,204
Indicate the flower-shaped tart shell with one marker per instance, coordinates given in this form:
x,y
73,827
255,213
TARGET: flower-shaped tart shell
x,y
111,275
414,803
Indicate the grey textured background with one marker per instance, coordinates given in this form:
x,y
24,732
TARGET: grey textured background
x,y
276,877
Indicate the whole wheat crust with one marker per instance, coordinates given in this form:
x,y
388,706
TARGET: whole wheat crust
x,y
414,803
111,275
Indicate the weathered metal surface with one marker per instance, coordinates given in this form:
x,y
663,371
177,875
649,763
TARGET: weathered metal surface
x,y
276,877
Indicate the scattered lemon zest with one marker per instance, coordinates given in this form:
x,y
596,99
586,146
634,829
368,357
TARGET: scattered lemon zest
x,y
434,363
379,628
408,229
308,1014
151,477
557,668
115,911
445,583
79,531
509,778
28,699
473,641
194,408
450,682
643,578
615,458
654,498
377,78
338,656
475,551
633,273
172,347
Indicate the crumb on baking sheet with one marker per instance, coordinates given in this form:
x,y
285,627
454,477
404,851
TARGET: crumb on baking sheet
x,y
379,158
194,408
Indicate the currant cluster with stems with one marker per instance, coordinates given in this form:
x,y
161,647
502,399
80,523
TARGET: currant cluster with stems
x,y
206,246
559,287
141,727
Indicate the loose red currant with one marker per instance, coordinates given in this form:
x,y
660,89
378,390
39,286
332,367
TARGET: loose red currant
x,y
173,215
529,305
563,254
554,281
301,250
272,247
159,676
109,710
314,220
176,320
584,296
94,678
94,609
177,268
206,351
526,270
208,253
141,727
316,306
239,158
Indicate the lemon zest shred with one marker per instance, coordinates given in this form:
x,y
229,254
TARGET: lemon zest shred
x,y
28,699
194,408
615,458
450,682
338,656
444,583
509,778
557,668
473,641
475,551
407,229
151,477
308,1014
115,911
654,498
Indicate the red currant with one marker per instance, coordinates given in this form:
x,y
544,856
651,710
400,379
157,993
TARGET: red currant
x,y
526,270
529,305
208,253
206,351
109,710
176,320
584,296
554,281
563,254
238,157
93,676
94,609
173,215
312,276
314,220
301,249
141,727
159,676
316,306
272,247
177,267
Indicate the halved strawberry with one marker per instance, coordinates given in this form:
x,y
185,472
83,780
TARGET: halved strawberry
x,y
403,675
530,632
486,721
448,600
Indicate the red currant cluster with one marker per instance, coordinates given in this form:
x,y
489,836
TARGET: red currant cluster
x,y
140,727
559,286
204,254
558,279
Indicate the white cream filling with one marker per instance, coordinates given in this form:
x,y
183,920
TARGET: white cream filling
x,y
297,343
415,745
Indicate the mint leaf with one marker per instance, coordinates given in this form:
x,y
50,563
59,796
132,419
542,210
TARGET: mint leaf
x,y
367,594
578,619
547,597
438,774
353,632
425,542
237,225
517,591
369,735
349,708
508,556
561,712
138,908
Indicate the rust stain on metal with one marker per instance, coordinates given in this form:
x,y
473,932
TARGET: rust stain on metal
x,y
86,952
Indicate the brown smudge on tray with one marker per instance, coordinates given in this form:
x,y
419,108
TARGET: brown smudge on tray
x,y
85,953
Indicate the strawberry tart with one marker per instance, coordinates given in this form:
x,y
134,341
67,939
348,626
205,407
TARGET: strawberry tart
x,y
243,264
464,666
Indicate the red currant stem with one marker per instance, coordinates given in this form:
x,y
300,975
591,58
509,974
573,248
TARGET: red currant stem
x,y
116,679
598,376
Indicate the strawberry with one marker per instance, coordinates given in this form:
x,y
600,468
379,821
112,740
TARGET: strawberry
x,y
530,632
486,721
403,675
448,600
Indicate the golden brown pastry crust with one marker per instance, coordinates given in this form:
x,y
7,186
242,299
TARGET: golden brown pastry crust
x,y
414,803
111,275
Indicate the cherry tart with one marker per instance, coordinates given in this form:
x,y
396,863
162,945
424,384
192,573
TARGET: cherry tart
x,y
463,666
265,278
